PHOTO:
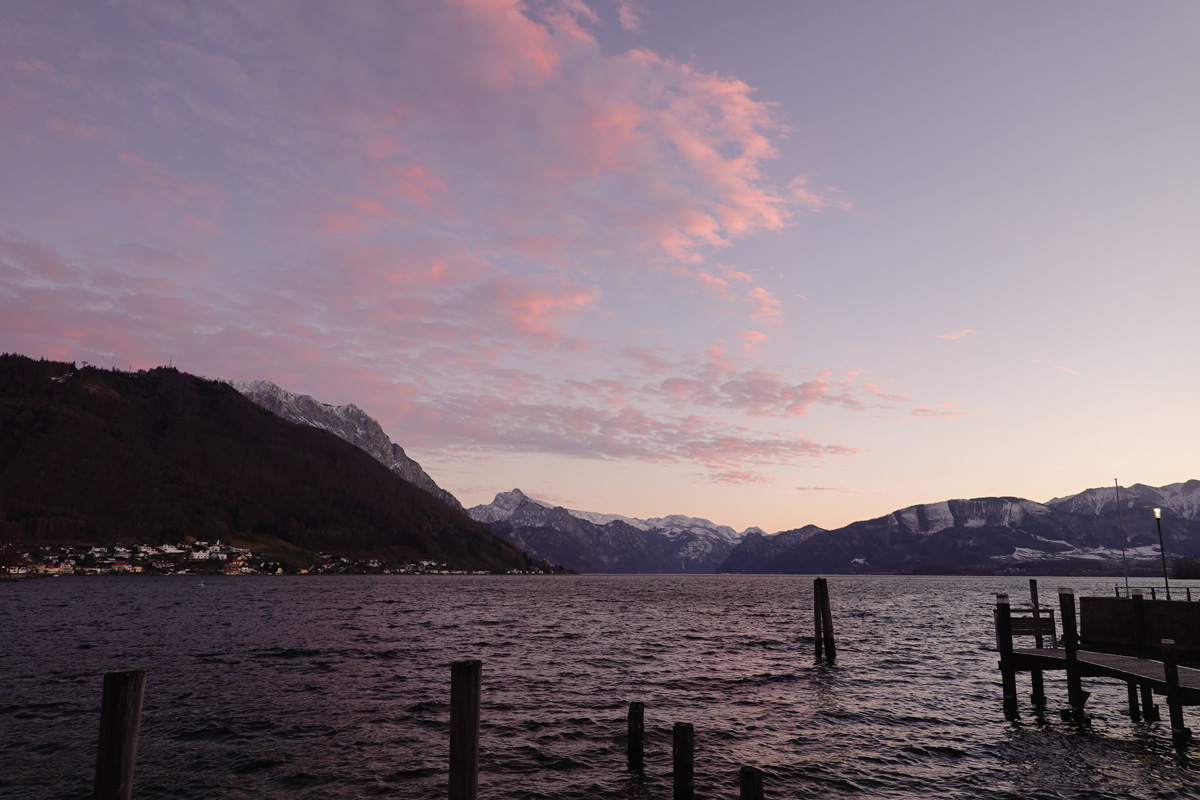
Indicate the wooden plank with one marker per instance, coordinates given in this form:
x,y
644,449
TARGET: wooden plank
x,y
1111,665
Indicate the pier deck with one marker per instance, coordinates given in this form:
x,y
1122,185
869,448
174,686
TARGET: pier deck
x,y
1107,665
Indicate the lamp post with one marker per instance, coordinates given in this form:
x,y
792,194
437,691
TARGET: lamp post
x,y
1162,551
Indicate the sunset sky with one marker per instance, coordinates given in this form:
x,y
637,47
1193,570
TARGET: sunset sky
x,y
769,263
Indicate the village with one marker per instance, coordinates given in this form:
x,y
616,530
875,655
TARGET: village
x,y
194,558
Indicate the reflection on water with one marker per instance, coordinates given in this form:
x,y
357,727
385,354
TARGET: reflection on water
x,y
338,687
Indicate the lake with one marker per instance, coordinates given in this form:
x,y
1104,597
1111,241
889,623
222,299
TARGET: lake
x,y
338,687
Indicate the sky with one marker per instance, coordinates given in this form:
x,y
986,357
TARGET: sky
x,y
772,264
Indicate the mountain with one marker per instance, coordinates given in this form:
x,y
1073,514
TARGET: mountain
x,y
90,456
1077,534
591,542
349,423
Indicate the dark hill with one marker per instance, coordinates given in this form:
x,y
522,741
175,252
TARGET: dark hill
x,y
91,456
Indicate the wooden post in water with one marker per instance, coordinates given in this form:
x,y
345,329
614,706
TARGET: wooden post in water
x,y
1179,732
1149,710
683,754
637,735
120,720
466,680
1075,694
818,619
1038,695
751,783
823,620
1135,713
1004,644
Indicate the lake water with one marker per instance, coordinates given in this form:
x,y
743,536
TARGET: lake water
x,y
327,687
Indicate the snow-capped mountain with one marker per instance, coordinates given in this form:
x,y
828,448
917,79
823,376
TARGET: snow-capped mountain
x,y
1180,499
349,423
593,542
1078,533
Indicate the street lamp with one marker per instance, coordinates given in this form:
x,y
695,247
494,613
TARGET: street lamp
x,y
1162,551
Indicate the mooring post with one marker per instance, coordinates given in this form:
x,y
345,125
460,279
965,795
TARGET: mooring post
x,y
752,783
1076,696
1038,695
683,753
120,720
637,735
466,681
818,615
827,624
1004,644
1179,732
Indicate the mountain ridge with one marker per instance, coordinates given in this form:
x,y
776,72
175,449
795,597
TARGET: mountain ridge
x,y
349,423
100,456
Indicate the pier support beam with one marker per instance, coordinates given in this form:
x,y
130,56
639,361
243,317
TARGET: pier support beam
x,y
1004,644
1135,713
1149,709
1076,696
1180,735
1037,695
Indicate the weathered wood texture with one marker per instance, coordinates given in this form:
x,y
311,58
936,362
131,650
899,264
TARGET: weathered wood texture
x,y
120,720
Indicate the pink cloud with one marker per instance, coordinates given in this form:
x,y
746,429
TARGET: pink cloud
x,y
419,204
535,307
948,409
958,334
629,15
767,308
1067,370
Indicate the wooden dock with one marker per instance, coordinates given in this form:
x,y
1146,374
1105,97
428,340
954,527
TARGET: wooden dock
x,y
1147,677
1108,665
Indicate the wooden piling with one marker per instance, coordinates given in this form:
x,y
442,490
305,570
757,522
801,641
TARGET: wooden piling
x,y
1149,709
1038,694
120,720
823,620
818,619
1135,713
1076,696
1179,732
637,735
466,682
751,780
1004,645
683,753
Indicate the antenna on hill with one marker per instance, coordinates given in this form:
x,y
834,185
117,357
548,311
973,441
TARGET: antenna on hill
x,y
1121,524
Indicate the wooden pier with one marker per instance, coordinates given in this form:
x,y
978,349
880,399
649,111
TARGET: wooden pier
x,y
1144,677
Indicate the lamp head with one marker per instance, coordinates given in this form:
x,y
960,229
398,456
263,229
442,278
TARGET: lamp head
x,y
1158,513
